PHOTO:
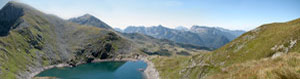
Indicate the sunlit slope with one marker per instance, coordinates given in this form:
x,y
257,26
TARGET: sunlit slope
x,y
266,41
264,52
144,43
31,40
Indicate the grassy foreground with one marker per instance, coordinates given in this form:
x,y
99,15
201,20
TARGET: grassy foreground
x,y
286,66
270,51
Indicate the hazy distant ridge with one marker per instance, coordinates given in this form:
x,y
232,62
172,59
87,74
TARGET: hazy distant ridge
x,y
212,37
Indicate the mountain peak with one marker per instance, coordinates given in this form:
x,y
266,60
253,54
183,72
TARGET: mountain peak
x,y
11,10
160,26
88,19
181,28
16,9
88,15
14,4
9,14
17,5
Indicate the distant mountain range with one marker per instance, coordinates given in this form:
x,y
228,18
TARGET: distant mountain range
x,y
181,28
213,37
271,51
31,40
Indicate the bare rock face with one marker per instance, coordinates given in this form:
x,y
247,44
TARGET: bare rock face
x,y
9,17
281,49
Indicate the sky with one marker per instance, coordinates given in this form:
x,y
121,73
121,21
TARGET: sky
x,y
229,14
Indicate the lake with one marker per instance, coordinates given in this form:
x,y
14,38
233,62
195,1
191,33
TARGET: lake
x,y
100,70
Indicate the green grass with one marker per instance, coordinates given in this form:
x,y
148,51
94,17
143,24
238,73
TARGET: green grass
x,y
19,52
41,40
283,67
170,67
233,60
257,47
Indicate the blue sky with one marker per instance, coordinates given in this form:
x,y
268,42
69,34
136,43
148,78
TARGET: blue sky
x,y
230,14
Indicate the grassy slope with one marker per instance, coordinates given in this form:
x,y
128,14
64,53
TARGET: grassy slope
x,y
25,48
143,43
258,43
170,67
41,40
252,48
18,52
282,67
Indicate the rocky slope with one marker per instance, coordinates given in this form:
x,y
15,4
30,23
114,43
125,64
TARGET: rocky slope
x,y
31,40
202,36
270,51
154,46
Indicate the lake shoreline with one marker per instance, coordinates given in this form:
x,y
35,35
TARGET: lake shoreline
x,y
149,73
32,75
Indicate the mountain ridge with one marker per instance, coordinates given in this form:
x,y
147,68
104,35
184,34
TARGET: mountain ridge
x,y
192,36
40,40
36,40
271,51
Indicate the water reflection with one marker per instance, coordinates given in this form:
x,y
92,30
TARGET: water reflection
x,y
103,70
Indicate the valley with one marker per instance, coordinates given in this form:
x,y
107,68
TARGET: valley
x,y
38,45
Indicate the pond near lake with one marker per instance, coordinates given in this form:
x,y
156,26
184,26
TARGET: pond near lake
x,y
100,70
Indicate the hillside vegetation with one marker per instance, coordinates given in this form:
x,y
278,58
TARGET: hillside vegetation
x,y
146,44
270,51
31,40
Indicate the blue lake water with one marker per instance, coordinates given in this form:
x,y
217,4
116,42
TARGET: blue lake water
x,y
101,70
